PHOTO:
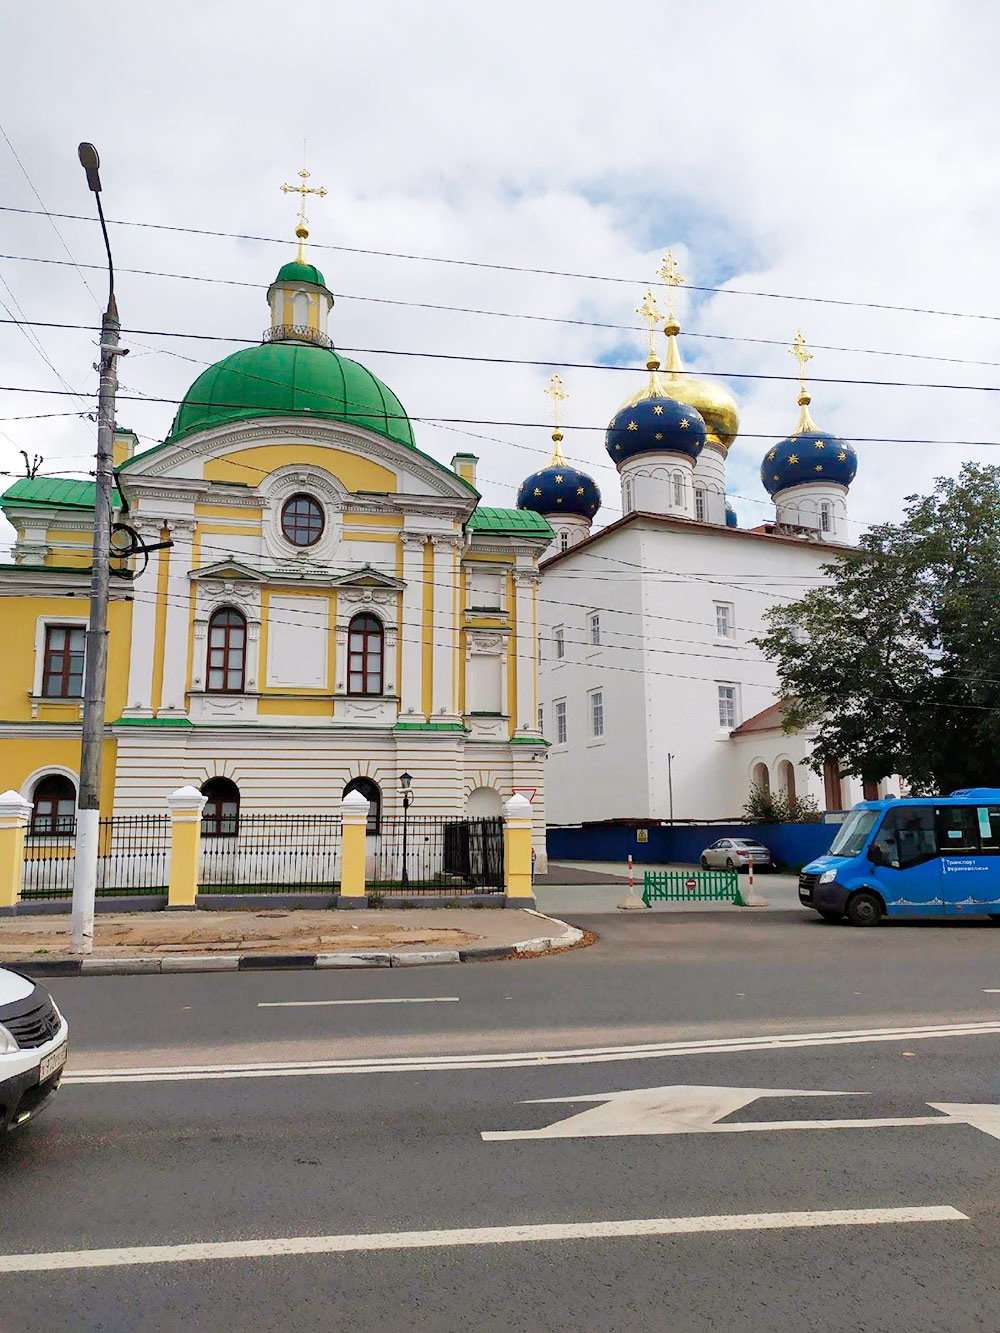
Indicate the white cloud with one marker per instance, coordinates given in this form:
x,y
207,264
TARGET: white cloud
x,y
840,151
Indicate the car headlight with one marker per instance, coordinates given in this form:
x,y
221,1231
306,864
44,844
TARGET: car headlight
x,y
7,1043
828,876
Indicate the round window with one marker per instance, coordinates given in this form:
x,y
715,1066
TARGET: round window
x,y
302,520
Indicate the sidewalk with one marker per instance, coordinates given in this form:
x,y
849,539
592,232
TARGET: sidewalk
x,y
230,941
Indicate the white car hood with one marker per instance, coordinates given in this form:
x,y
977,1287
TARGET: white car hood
x,y
13,987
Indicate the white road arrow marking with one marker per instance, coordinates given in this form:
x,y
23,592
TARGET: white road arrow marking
x,y
687,1109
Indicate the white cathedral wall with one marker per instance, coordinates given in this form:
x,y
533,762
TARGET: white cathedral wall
x,y
657,588
710,480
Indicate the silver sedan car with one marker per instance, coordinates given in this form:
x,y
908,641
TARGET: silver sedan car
x,y
736,854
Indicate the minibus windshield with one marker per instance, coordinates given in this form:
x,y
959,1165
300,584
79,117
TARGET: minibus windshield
x,y
854,832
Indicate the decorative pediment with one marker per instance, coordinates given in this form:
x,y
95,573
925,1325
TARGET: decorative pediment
x,y
228,571
367,577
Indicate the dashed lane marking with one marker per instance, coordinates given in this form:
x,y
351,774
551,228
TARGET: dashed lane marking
x,y
284,1246
319,1004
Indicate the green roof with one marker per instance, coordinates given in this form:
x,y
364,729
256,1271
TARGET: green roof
x,y
291,379
294,271
485,519
53,493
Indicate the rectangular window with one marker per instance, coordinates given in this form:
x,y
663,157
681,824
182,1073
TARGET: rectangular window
x,y
559,638
541,719
62,665
699,504
560,706
597,714
727,707
724,621
594,622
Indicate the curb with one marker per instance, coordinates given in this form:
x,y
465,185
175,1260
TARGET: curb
x,y
288,962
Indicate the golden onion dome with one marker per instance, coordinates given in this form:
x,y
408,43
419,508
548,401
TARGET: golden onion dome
x,y
715,403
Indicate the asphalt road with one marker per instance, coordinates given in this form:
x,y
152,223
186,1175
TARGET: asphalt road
x,y
267,1120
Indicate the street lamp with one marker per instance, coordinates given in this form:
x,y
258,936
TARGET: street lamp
x,y
404,785
88,813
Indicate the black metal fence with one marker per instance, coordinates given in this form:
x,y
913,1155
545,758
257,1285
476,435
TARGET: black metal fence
x,y
273,852
133,855
425,854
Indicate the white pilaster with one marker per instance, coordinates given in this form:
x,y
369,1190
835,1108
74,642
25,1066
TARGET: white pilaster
x,y
526,705
175,650
445,630
411,683
139,700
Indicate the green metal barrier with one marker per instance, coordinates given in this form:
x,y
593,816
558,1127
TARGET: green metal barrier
x,y
694,886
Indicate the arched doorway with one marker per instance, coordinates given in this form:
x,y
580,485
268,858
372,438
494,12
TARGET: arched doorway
x,y
484,803
761,778
833,788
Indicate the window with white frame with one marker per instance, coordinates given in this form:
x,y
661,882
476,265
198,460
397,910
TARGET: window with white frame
x,y
596,714
825,516
560,707
559,639
727,707
725,625
679,490
699,504
594,626
627,493
564,540
541,719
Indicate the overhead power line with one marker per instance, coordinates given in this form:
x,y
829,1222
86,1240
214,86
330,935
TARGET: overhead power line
x,y
510,268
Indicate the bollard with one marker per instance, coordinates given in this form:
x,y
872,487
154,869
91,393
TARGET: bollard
x,y
630,902
517,886
752,898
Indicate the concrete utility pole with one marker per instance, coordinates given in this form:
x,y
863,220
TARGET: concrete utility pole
x,y
96,667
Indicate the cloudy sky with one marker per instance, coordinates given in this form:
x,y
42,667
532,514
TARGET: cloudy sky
x,y
843,152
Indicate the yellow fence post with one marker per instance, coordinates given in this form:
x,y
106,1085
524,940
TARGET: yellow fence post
x,y
517,887
14,812
185,805
353,828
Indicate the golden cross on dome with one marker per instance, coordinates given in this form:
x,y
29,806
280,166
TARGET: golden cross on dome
x,y
803,356
558,394
671,274
650,312
302,230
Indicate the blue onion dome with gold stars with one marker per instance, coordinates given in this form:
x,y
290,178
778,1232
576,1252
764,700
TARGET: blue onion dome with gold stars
x,y
808,454
731,520
559,488
655,423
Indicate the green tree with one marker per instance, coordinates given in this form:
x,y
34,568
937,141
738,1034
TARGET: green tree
x,y
895,661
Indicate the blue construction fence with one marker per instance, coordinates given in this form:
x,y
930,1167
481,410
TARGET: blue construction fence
x,y
791,845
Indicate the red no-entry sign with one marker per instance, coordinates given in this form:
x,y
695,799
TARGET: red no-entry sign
x,y
691,884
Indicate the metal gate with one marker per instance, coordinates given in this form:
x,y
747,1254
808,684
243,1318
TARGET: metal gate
x,y
432,854
697,886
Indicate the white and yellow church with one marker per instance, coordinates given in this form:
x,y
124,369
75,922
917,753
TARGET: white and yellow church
x,y
335,608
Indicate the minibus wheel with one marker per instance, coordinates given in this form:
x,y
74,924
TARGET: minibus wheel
x,y
864,909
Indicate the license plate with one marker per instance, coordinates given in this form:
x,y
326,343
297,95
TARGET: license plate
x,y
53,1061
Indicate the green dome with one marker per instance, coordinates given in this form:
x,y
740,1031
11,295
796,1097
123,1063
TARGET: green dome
x,y
291,379
296,271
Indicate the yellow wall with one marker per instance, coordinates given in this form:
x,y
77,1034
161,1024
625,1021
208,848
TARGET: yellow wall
x,y
19,618
76,556
22,756
250,466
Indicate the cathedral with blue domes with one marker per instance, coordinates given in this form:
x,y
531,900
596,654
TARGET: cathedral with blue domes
x,y
655,700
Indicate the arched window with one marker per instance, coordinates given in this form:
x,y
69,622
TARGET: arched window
x,y
371,792
221,816
627,493
761,778
679,490
364,655
53,807
302,520
699,504
786,778
227,651
833,786
825,516
564,540
300,309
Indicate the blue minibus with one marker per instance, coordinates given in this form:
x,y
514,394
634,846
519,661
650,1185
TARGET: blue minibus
x,y
918,857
